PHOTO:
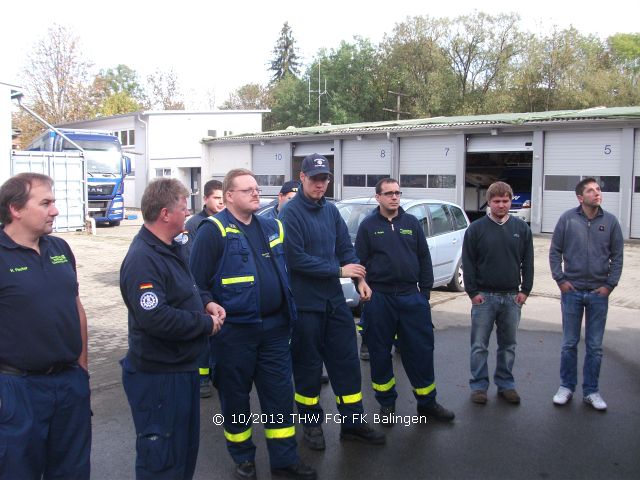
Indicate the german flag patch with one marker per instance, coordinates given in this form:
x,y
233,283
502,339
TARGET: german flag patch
x,y
144,286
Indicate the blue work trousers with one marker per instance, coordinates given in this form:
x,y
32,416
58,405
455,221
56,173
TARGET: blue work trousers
x,y
502,310
594,307
166,414
45,426
408,317
248,354
328,337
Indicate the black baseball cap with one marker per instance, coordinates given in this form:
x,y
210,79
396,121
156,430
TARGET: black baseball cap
x,y
315,164
290,186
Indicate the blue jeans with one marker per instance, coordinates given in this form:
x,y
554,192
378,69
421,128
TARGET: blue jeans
x,y
594,307
502,310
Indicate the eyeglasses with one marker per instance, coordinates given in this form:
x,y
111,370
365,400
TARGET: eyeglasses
x,y
249,191
320,178
392,194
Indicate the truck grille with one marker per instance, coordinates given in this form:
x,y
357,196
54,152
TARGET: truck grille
x,y
98,208
102,189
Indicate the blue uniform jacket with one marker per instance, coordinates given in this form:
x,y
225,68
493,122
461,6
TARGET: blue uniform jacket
x,y
317,245
395,254
168,327
224,269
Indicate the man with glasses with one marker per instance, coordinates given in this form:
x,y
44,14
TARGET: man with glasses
x,y
238,261
319,252
392,247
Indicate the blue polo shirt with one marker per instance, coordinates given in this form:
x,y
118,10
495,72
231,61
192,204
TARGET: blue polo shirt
x,y
38,312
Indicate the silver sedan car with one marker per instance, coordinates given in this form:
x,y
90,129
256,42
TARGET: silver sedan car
x,y
444,225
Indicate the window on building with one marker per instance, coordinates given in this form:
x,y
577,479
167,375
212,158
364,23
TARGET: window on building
x,y
607,183
561,183
163,172
354,180
270,180
636,188
212,133
442,181
413,181
372,180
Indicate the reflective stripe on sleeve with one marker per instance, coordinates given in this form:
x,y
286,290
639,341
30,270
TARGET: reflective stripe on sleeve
x,y
280,238
203,371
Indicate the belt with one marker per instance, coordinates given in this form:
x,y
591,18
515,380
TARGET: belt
x,y
52,370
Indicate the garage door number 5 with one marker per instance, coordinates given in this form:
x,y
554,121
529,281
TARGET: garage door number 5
x,y
607,149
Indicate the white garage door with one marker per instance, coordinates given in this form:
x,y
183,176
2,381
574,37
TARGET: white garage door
x,y
572,156
270,166
635,197
428,167
364,162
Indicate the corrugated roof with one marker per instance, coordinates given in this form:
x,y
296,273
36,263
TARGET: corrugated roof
x,y
598,113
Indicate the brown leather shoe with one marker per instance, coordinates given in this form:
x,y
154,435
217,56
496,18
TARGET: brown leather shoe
x,y
510,395
479,396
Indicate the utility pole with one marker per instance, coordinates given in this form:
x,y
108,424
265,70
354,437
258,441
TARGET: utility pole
x,y
397,111
319,92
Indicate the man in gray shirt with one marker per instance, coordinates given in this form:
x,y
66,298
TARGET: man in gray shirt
x,y
586,262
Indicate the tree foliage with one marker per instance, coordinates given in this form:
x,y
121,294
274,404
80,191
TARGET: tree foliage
x,y
118,91
251,96
164,91
285,58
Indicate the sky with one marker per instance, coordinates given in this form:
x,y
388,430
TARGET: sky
x,y
217,46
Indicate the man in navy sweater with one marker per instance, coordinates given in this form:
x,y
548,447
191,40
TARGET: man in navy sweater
x,y
169,327
318,252
497,261
392,247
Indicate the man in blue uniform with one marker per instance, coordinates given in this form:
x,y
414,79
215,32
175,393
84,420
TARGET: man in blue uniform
x,y
45,413
392,247
169,327
287,192
212,198
319,251
238,261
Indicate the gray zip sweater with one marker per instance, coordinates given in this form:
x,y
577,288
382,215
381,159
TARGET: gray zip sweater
x,y
591,250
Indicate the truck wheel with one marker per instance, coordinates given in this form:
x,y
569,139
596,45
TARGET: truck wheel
x,y
457,281
115,224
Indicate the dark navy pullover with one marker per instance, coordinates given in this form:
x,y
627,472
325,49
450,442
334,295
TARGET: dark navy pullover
x,y
317,244
168,327
395,254
38,311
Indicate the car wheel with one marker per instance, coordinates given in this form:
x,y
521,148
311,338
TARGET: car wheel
x,y
115,223
457,281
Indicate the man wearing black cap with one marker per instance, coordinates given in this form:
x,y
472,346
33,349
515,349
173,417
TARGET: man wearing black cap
x,y
287,192
318,252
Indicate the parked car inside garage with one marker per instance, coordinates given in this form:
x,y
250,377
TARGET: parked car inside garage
x,y
444,225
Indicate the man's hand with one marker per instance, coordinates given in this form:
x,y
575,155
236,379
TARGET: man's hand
x,y
364,290
602,291
353,270
477,300
213,308
521,298
566,287
216,324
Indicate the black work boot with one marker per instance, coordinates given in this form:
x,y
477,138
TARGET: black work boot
x,y
314,437
246,470
437,411
363,433
386,415
296,470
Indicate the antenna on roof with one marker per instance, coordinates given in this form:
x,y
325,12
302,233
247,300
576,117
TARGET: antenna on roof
x,y
319,92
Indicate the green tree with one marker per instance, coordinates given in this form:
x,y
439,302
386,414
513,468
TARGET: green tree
x,y
414,63
251,96
164,91
117,91
285,58
289,105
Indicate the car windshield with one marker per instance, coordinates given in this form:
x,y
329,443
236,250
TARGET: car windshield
x,y
101,157
353,214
